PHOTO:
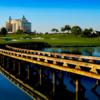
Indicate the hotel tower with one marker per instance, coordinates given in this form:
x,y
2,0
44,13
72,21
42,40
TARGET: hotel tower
x,y
13,25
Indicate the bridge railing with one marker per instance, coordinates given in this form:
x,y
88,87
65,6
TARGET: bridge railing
x,y
82,68
58,55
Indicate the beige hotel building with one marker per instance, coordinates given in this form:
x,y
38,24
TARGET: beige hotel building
x,y
13,25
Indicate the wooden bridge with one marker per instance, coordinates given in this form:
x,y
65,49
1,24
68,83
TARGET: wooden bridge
x,y
89,68
57,55
76,64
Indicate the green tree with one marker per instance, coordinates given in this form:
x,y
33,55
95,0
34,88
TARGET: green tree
x,y
46,33
19,31
91,30
55,30
67,28
4,31
62,29
76,30
88,32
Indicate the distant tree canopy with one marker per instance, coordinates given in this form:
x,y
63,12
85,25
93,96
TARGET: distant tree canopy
x,y
46,33
76,30
62,29
55,30
87,32
3,31
67,28
19,31
90,33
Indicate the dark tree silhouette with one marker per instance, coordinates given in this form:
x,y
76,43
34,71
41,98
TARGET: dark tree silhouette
x,y
67,28
55,30
3,31
88,32
63,29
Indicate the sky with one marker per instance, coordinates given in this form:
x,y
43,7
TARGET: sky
x,y
47,14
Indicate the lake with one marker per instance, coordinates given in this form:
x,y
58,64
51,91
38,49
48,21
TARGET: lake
x,y
8,91
88,51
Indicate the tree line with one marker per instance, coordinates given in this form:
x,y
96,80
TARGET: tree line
x,y
67,29
4,31
77,30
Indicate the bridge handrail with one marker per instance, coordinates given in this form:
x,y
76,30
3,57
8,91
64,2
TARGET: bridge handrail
x,y
78,65
56,54
92,73
47,58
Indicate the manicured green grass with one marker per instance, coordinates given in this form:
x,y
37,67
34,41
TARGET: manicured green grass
x,y
52,39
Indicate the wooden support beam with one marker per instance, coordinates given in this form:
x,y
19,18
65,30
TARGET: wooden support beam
x,y
53,81
77,88
28,72
19,68
14,65
40,72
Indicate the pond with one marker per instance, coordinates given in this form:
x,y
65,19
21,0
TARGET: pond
x,y
88,51
8,91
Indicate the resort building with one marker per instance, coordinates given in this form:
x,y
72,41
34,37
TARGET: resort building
x,y
13,25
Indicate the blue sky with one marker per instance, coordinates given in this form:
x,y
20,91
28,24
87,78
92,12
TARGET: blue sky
x,y
47,14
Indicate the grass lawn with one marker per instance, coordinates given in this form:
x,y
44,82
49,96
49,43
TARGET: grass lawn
x,y
52,39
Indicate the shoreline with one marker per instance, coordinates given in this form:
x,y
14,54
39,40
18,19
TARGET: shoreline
x,y
53,40
48,45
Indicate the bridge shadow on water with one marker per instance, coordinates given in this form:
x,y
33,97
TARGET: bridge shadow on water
x,y
29,45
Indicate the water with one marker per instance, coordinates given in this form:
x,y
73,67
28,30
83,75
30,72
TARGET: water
x,y
88,51
8,91
87,83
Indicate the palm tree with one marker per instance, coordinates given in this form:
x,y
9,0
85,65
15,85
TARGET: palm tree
x,y
67,28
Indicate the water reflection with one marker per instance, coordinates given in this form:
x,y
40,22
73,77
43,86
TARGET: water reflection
x,y
10,92
88,51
